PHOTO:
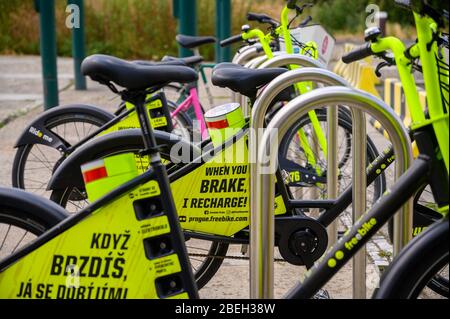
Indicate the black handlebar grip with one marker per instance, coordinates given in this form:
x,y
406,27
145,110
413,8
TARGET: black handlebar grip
x,y
358,54
231,40
291,4
305,22
251,16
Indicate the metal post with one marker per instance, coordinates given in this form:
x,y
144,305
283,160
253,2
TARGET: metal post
x,y
359,183
187,21
332,167
223,29
47,31
268,154
315,193
78,46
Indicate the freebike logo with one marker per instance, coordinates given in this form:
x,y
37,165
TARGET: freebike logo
x,y
365,228
39,134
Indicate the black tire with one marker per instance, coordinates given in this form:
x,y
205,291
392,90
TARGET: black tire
x,y
25,224
417,264
424,215
23,153
345,125
439,282
208,266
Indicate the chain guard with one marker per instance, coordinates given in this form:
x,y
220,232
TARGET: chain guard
x,y
301,240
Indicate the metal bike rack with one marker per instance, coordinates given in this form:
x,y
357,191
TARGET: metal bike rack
x,y
261,279
239,57
257,63
247,53
288,59
332,183
252,64
359,197
258,116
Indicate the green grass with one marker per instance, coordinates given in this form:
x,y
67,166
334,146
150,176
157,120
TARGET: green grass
x,y
146,28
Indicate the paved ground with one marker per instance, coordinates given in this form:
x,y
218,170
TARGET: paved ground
x,y
20,102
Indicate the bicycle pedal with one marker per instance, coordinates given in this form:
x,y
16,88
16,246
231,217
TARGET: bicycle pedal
x,y
322,294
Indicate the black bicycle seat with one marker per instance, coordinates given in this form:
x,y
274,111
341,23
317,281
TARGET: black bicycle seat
x,y
133,76
243,80
191,61
190,42
159,63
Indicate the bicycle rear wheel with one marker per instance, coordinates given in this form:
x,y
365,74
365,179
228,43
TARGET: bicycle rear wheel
x,y
291,149
34,164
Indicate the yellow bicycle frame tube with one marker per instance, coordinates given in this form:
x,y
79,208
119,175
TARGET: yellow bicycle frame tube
x,y
404,69
429,58
263,39
439,119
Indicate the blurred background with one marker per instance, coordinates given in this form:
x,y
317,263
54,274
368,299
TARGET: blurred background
x,y
146,28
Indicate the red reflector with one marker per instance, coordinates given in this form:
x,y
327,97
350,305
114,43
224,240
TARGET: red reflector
x,y
218,124
95,174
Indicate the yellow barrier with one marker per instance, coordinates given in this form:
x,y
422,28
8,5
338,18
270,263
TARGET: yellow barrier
x,y
360,74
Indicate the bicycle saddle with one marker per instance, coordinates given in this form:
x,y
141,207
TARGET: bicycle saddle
x,y
189,42
159,63
243,80
190,61
133,76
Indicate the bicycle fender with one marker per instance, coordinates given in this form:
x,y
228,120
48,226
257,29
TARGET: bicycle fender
x,y
18,199
37,133
68,174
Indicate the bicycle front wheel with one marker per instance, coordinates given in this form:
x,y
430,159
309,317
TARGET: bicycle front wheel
x,y
420,261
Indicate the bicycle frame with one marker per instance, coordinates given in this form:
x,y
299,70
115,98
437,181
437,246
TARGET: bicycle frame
x,y
437,110
193,100
363,230
136,244
427,169
428,57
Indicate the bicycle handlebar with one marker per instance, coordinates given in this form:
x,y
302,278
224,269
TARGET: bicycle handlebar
x,y
358,54
291,4
305,22
231,40
262,18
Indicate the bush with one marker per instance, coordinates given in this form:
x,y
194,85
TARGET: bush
x,y
146,28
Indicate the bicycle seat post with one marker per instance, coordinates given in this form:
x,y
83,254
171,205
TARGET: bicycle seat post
x,y
147,132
